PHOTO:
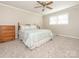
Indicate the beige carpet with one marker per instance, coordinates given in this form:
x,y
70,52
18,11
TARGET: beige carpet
x,y
58,47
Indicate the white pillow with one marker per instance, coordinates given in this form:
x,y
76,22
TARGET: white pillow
x,y
28,27
33,27
24,27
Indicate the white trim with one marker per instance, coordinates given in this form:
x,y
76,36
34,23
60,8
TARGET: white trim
x,y
68,36
26,11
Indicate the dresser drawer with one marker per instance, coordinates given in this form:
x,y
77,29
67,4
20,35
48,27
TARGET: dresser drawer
x,y
8,32
8,35
7,27
7,39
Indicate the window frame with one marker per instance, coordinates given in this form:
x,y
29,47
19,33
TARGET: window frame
x,y
57,22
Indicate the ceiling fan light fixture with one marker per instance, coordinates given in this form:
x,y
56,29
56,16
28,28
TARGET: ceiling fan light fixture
x,y
44,4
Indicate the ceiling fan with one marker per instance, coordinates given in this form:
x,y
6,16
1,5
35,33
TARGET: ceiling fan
x,y
44,4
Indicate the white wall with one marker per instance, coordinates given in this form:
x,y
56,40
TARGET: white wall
x,y
11,15
72,29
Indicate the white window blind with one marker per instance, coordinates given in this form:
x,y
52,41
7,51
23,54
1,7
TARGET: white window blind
x,y
59,19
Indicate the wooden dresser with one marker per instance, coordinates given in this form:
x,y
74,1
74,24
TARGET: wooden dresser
x,y
7,32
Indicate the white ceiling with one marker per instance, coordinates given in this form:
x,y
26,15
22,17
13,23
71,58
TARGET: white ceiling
x,y
29,5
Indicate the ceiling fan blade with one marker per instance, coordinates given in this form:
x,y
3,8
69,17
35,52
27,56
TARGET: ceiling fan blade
x,y
37,6
40,2
49,3
49,7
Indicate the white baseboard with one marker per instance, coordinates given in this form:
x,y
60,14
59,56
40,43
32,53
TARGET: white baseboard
x,y
68,36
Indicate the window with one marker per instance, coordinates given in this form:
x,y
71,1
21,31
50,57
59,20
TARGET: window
x,y
53,20
59,19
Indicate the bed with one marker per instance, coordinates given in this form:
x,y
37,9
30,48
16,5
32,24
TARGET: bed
x,y
34,37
